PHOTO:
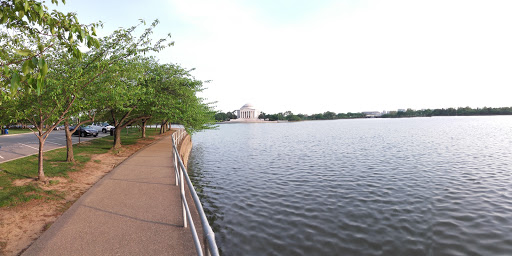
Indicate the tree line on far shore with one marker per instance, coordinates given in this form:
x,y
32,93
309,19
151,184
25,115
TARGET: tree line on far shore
x,y
328,115
290,116
461,111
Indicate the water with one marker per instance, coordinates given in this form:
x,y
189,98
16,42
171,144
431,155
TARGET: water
x,y
418,186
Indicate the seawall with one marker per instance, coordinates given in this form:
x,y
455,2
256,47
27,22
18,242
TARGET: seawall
x,y
185,147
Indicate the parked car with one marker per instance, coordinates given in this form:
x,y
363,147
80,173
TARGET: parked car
x,y
58,128
96,126
107,127
84,131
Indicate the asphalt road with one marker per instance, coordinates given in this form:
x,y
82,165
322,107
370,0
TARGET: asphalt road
x,y
21,145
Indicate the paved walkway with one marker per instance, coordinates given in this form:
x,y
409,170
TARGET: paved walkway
x,y
133,210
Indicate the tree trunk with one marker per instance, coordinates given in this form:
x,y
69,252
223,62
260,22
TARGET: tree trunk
x,y
162,127
117,138
70,157
40,171
143,128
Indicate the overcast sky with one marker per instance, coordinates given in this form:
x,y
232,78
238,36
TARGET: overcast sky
x,y
316,56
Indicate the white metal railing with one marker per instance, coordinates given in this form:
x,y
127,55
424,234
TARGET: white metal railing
x,y
181,174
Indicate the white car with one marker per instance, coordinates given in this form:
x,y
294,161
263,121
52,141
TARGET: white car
x,y
97,127
106,128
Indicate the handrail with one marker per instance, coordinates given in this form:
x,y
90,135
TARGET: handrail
x,y
181,175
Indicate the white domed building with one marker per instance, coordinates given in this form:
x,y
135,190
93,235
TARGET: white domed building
x,y
247,112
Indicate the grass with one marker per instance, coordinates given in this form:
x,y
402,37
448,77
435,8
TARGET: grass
x,y
55,165
18,131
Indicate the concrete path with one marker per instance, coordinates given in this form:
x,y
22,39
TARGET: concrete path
x,y
134,210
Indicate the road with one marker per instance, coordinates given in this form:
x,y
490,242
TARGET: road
x,y
21,145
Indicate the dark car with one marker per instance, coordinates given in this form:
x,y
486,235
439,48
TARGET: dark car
x,y
84,131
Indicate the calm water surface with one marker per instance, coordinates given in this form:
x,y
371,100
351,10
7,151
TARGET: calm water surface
x,y
418,186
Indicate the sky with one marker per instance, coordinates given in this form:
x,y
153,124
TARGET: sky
x,y
341,56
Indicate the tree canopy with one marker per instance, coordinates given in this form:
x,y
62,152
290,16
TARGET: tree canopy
x,y
45,78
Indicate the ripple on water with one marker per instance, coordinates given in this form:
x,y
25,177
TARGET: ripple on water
x,y
425,186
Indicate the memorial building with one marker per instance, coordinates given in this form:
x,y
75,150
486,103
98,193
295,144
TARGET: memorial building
x,y
247,112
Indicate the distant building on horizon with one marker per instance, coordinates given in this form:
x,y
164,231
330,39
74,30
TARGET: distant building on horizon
x,y
247,112
372,114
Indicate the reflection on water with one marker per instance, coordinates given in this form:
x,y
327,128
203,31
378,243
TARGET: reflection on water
x,y
419,186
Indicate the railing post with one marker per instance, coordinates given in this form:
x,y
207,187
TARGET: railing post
x,y
175,158
182,191
176,167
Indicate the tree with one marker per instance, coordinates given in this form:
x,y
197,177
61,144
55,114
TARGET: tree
x,y
293,118
117,47
28,32
221,116
329,115
231,115
32,37
127,97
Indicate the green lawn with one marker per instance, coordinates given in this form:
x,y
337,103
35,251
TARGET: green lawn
x,y
55,165
18,131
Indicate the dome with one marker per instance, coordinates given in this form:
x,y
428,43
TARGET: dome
x,y
248,105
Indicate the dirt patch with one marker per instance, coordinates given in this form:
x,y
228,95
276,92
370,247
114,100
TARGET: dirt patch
x,y
22,182
23,224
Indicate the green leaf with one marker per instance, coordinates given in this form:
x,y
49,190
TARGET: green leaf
x,y
26,67
93,31
15,81
40,47
26,6
23,52
34,61
39,85
44,70
41,62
